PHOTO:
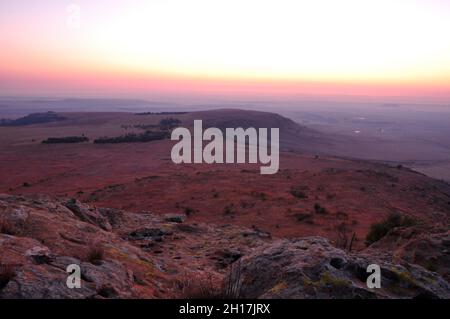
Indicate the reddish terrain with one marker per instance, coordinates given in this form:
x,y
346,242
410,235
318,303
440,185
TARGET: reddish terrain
x,y
311,195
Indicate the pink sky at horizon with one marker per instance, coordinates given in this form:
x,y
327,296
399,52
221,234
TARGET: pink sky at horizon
x,y
246,48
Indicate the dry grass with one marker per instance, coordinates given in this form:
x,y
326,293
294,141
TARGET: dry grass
x,y
201,287
342,235
379,230
195,286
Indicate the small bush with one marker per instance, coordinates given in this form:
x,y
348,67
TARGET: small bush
x,y
319,209
304,217
95,255
379,230
229,210
188,211
7,273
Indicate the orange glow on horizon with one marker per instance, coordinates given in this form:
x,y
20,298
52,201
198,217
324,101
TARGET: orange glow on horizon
x,y
207,47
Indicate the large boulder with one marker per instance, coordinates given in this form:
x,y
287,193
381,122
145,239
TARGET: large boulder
x,y
312,268
416,245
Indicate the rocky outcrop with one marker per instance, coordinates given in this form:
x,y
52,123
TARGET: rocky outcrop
x,y
120,254
142,255
88,214
44,235
311,268
41,274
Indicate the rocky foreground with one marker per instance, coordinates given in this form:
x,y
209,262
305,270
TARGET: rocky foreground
x,y
143,255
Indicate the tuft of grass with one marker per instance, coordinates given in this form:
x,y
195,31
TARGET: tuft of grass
x,y
379,230
95,254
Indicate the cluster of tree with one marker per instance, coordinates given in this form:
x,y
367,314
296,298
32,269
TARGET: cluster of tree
x,y
66,139
148,136
169,123
145,126
164,124
160,113
34,118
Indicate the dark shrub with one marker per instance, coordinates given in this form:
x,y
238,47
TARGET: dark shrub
x,y
188,211
95,255
298,192
229,210
319,209
379,230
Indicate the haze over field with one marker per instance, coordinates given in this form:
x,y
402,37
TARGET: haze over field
x,y
91,93
415,135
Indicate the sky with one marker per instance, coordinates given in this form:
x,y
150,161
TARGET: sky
x,y
254,48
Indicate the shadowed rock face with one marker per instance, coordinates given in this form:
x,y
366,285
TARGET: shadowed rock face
x,y
311,268
143,255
